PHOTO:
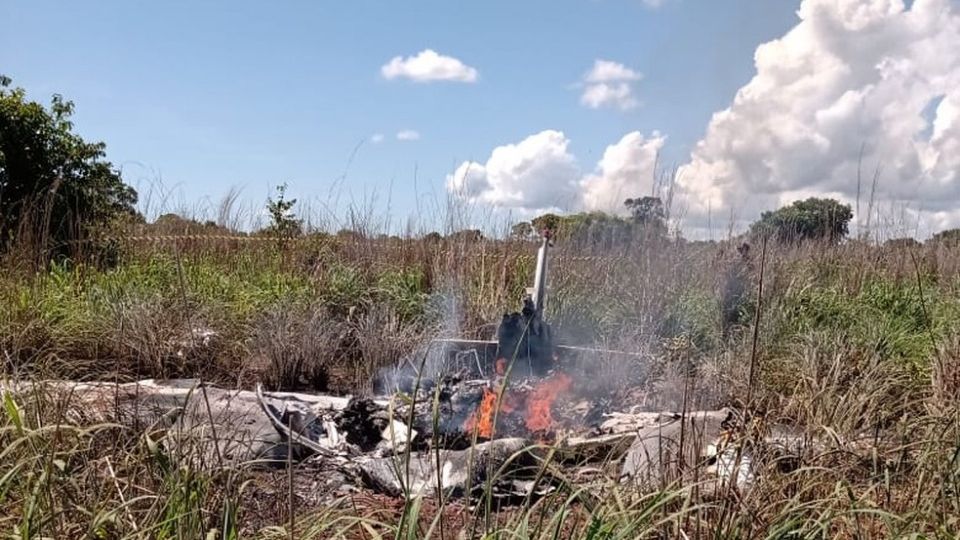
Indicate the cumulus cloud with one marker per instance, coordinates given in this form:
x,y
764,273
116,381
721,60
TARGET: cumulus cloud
x,y
609,84
868,81
408,135
854,84
627,169
428,66
535,174
540,173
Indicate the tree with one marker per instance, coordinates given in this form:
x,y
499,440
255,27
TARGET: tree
x,y
283,221
810,219
902,243
466,235
56,189
593,229
949,238
547,222
647,212
173,224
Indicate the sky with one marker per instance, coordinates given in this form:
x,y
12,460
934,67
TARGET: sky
x,y
510,109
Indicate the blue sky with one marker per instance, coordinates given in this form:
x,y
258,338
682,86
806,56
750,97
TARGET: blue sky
x,y
214,95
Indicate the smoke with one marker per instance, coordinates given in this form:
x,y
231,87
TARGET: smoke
x,y
427,365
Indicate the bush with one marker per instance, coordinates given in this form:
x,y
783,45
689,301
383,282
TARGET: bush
x,y
344,289
56,190
403,290
293,348
884,317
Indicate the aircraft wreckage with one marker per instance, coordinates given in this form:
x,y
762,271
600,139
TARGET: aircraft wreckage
x,y
516,416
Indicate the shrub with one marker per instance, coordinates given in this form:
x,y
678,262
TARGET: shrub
x,y
404,291
56,190
294,347
344,289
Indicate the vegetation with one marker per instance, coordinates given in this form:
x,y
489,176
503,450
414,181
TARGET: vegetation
x,y
648,212
852,338
950,237
55,188
810,219
647,222
283,221
856,345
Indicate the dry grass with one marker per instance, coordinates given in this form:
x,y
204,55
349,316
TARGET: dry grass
x,y
857,348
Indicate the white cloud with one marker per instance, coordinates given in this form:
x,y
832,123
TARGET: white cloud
x,y
627,169
609,84
539,173
376,138
536,173
607,71
851,73
617,95
428,66
408,135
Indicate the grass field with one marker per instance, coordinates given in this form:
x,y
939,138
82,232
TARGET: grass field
x,y
856,344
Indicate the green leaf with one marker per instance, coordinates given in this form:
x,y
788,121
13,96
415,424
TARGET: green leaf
x,y
13,411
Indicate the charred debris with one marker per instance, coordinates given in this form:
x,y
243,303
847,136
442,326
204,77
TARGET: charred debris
x,y
461,416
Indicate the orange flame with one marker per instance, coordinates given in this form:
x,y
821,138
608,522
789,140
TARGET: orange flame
x,y
538,416
539,402
482,419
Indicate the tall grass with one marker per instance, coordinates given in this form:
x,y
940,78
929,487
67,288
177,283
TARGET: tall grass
x,y
857,350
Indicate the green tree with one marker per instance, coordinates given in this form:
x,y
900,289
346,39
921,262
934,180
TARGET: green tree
x,y
810,219
547,222
588,229
173,224
466,235
647,211
284,223
902,243
648,214
56,189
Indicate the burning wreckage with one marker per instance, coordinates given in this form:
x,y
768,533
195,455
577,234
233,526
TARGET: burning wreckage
x,y
517,416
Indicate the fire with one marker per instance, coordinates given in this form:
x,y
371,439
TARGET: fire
x,y
482,419
539,417
536,407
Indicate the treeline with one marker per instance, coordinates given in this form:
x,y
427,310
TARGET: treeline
x,y
646,221
60,198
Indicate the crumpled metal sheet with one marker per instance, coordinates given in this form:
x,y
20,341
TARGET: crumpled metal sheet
x,y
697,445
500,463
